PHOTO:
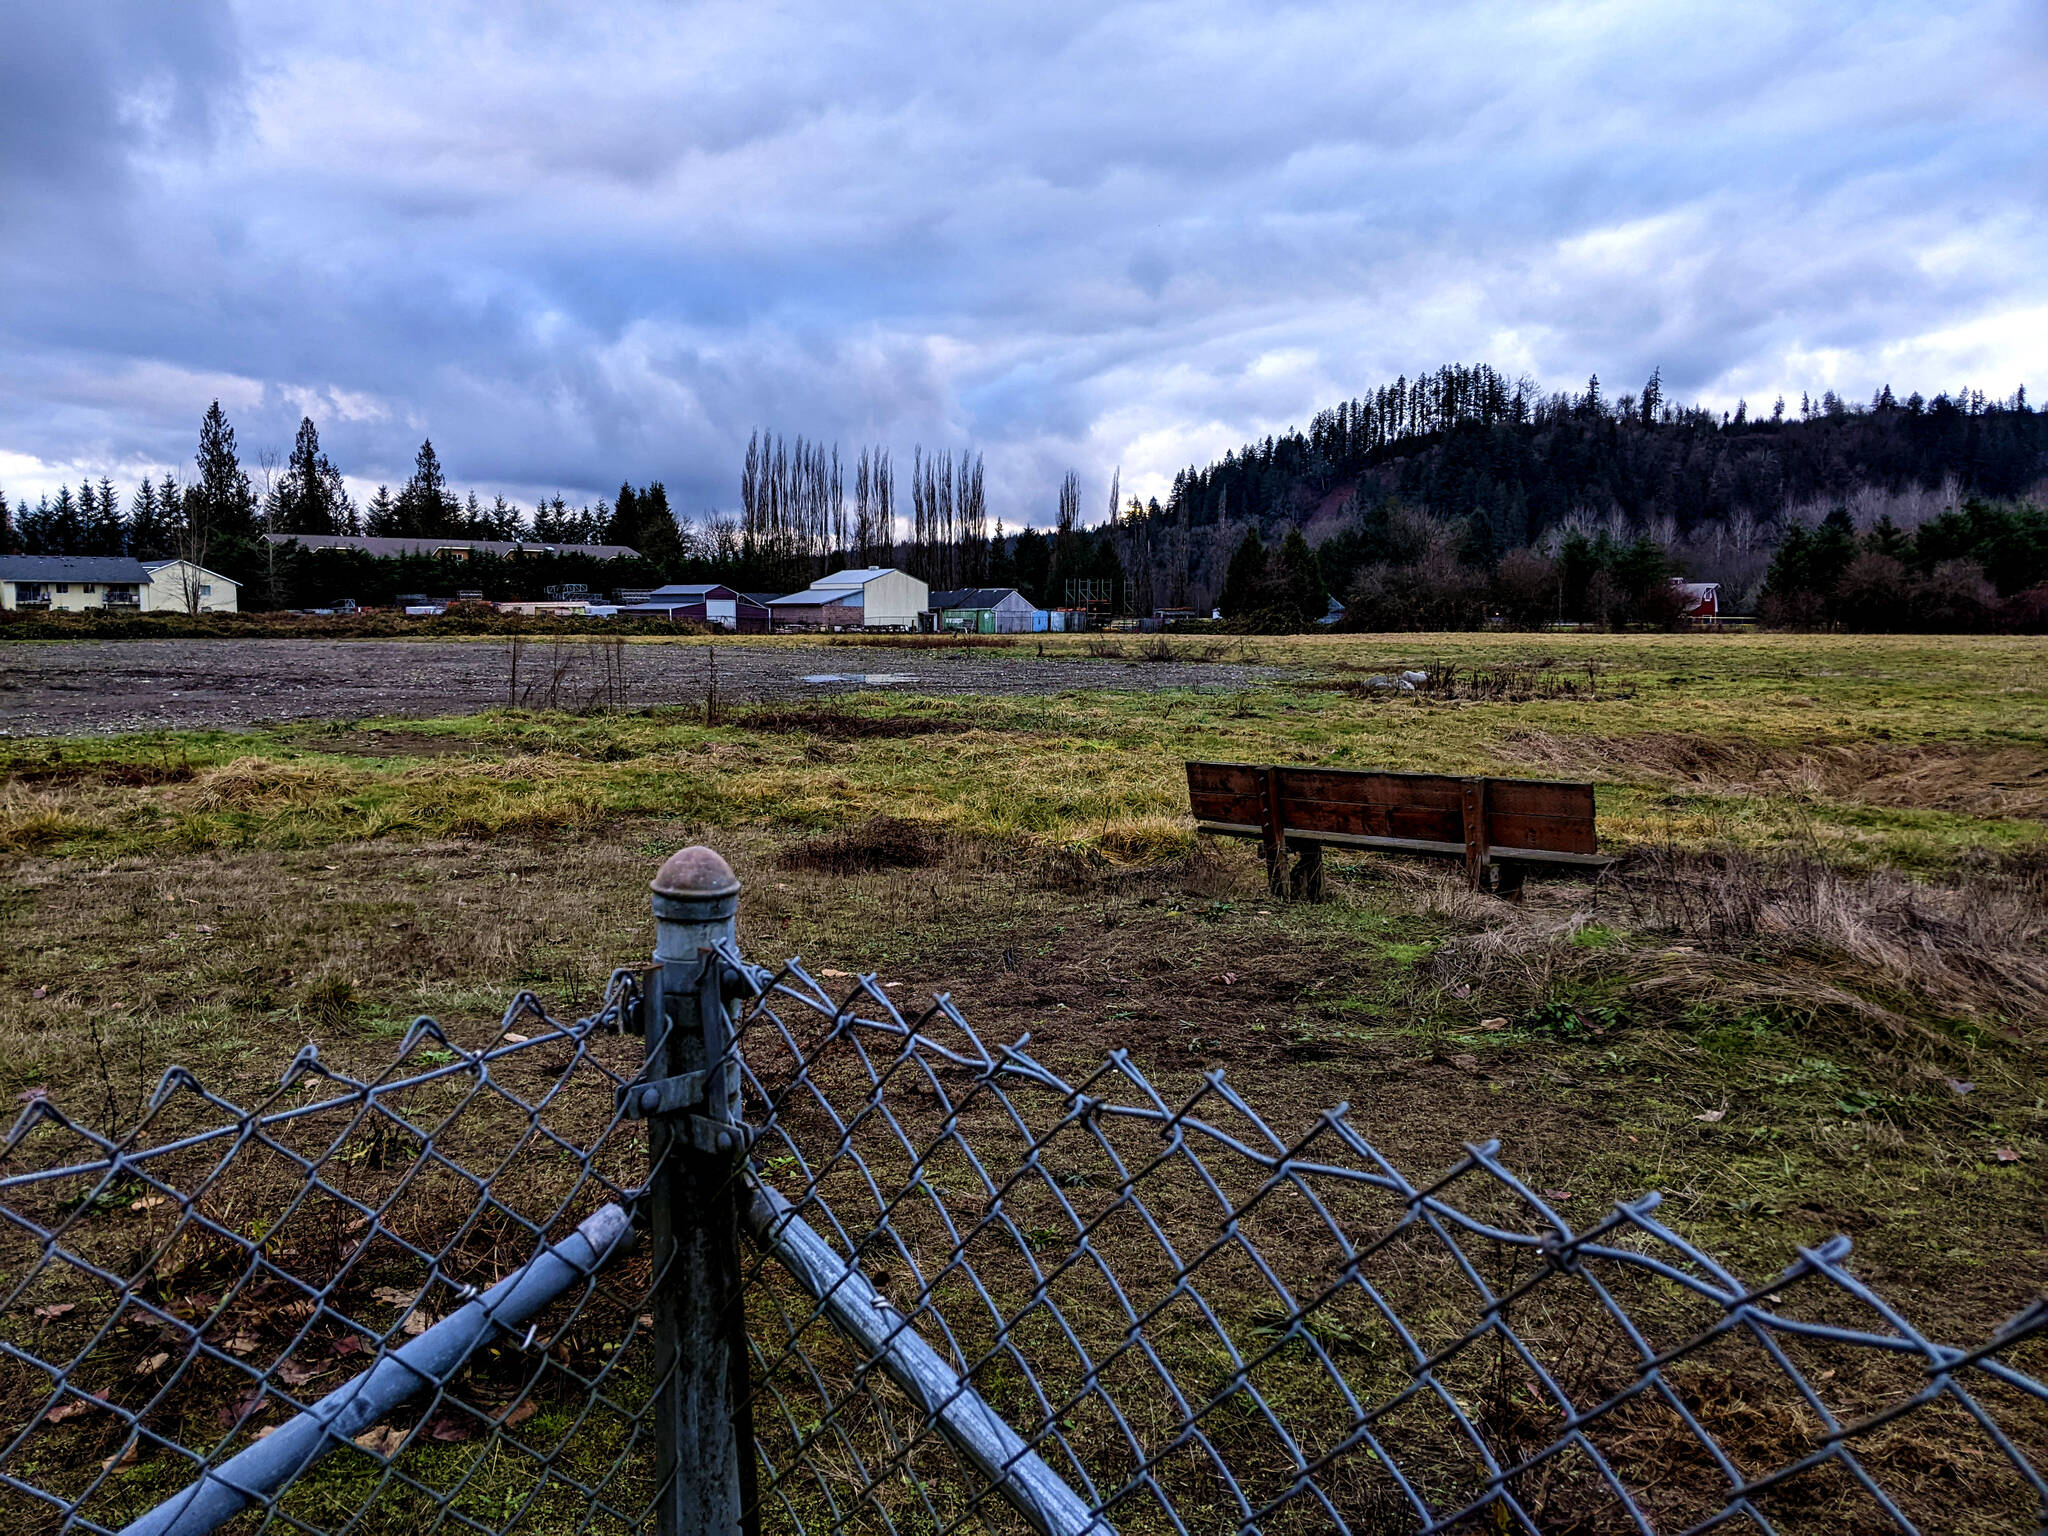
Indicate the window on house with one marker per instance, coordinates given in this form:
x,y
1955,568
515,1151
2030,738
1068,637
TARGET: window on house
x,y
63,586
88,589
205,591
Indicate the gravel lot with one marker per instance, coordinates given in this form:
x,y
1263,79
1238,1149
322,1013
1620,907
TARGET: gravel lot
x,y
90,687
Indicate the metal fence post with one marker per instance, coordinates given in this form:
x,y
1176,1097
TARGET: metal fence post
x,y
703,1423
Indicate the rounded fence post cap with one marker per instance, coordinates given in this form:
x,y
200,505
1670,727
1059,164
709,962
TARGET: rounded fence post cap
x,y
696,871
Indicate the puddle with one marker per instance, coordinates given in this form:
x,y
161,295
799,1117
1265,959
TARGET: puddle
x,y
868,679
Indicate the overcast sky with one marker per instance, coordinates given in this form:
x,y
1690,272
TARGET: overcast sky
x,y
581,243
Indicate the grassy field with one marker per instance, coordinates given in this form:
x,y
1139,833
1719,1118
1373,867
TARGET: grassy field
x,y
1811,999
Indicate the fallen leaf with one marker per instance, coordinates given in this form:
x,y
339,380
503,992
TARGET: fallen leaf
x,y
127,1458
418,1321
30,1095
299,1310
295,1374
153,1364
646,1320
1557,1194
240,1344
836,975
1463,990
381,1441
447,1428
1711,1116
393,1295
67,1410
512,1039
147,1203
520,1413
1228,978
1957,1087
204,928
1466,1063
1493,1023
40,992
265,1432
892,983
56,1309
2006,1155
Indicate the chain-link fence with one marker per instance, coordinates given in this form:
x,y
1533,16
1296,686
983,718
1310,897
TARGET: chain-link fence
x,y
507,1289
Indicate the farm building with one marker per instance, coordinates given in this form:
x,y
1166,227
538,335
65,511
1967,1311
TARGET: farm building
x,y
1702,598
461,549
99,583
874,597
986,611
704,604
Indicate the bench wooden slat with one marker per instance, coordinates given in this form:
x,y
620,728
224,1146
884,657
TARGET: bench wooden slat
x,y
1481,820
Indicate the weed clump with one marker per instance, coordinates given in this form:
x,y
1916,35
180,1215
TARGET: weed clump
x,y
881,842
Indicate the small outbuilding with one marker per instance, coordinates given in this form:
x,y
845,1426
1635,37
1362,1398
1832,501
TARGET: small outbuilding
x,y
985,611
718,606
1701,599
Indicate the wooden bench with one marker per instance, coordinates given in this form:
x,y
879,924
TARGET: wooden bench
x,y
1501,828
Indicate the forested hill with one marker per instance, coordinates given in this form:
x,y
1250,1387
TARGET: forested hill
x,y
1468,443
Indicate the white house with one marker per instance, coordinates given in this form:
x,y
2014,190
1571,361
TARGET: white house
x,y
179,586
112,583
874,597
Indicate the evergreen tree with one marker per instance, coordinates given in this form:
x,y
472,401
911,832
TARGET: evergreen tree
x,y
149,534
381,517
7,534
65,530
221,505
424,508
1244,584
311,497
656,534
104,532
624,526
1300,579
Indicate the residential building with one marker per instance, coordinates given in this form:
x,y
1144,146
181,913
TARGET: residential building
x,y
103,583
184,586
874,597
461,549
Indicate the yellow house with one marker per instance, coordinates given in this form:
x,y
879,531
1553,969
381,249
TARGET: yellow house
x,y
112,583
179,586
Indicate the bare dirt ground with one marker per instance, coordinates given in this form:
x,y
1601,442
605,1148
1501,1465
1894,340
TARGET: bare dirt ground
x,y
139,685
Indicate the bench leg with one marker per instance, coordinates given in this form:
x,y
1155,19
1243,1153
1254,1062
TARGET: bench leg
x,y
1508,883
1276,870
1306,883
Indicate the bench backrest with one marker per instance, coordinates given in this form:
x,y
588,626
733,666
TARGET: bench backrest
x,y
1435,812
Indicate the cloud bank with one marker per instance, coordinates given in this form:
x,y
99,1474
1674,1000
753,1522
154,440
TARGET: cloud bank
x,y
581,244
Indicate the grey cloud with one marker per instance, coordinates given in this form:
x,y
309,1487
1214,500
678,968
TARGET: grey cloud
x,y
579,250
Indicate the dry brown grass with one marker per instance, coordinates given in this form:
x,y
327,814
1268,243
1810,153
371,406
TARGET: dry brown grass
x,y
1969,778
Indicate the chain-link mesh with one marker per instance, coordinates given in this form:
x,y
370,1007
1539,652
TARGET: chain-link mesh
x,y
977,1288
1203,1322
176,1296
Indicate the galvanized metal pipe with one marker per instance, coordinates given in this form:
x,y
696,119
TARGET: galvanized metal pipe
x,y
975,1430
258,1474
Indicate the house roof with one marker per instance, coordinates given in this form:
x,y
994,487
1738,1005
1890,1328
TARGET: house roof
x,y
116,570
389,547
833,592
683,592
153,566
972,597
